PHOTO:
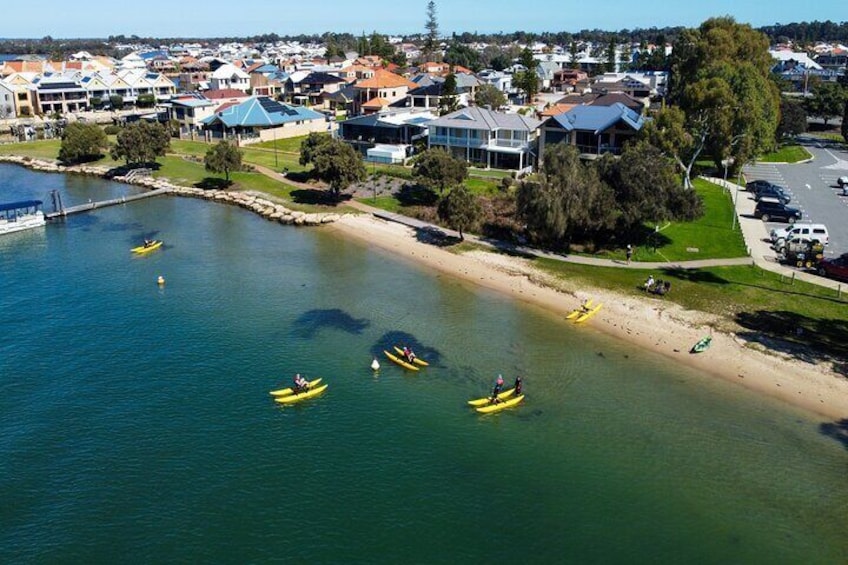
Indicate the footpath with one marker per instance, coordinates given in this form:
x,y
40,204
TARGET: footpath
x,y
753,231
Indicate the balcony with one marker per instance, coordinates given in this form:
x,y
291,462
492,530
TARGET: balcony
x,y
453,141
512,143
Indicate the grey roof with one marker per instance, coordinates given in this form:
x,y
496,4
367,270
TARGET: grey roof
x,y
464,80
596,118
481,118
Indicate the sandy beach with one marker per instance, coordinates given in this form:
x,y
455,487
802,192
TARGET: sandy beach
x,y
654,325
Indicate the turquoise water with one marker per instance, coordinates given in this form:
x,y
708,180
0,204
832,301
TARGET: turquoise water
x,y
136,426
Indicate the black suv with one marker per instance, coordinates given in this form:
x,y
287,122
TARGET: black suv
x,y
773,191
756,185
769,210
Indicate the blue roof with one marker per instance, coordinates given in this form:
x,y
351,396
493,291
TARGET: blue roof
x,y
261,111
267,69
598,118
19,205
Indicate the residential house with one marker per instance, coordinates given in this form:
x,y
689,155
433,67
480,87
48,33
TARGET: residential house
x,y
229,76
500,80
394,128
271,84
189,112
316,86
594,130
7,101
566,80
60,93
23,85
260,118
380,91
226,95
487,137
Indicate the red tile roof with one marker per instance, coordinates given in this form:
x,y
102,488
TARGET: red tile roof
x,y
385,79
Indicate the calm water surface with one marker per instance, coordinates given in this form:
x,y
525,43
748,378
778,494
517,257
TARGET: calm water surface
x,y
136,426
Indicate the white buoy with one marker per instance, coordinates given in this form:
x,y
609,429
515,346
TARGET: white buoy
x,y
161,280
375,364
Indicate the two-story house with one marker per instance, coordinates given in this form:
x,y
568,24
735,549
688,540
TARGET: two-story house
x,y
487,137
594,130
229,76
380,91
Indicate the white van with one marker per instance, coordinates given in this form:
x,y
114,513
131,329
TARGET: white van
x,y
809,232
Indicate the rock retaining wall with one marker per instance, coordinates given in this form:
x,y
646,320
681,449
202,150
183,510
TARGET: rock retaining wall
x,y
265,208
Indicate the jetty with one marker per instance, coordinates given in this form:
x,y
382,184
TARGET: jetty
x,y
60,211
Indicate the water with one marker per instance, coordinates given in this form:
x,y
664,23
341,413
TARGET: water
x,y
136,426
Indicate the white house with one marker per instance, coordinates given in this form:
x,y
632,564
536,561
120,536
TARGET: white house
x,y
229,76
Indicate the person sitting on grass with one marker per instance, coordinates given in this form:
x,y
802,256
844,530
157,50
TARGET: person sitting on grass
x,y
649,284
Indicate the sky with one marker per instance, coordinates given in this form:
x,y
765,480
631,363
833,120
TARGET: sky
x,y
217,18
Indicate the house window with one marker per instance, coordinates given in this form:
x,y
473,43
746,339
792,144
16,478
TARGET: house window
x,y
22,96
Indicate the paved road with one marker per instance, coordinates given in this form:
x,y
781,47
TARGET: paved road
x,y
813,188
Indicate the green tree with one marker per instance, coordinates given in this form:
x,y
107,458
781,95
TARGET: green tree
x,y
527,80
646,188
437,170
565,200
116,101
827,102
311,144
793,118
431,40
573,56
448,102
610,54
729,57
145,100
82,142
489,95
223,158
845,122
141,142
339,165
460,209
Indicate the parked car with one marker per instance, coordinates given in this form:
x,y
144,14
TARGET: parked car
x,y
834,268
756,185
769,209
773,191
842,182
780,236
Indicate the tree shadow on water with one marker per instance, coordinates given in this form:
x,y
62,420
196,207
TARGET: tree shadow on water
x,y
401,339
811,340
311,322
837,430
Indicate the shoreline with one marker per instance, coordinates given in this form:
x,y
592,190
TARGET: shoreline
x,y
659,327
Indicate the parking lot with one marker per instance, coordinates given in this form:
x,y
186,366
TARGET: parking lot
x,y
812,187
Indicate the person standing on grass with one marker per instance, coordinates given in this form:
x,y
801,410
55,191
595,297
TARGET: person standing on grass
x,y
629,253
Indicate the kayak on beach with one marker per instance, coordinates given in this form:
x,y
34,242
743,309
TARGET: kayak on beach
x,y
484,401
416,360
288,391
497,407
400,361
292,398
142,249
586,315
585,307
702,345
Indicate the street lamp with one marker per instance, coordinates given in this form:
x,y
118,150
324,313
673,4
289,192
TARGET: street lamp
x,y
276,164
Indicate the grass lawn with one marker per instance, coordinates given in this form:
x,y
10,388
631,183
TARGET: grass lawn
x,y
288,145
489,173
786,154
387,203
45,149
251,155
747,296
711,234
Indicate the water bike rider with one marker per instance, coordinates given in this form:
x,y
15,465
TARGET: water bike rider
x,y
300,384
499,383
409,354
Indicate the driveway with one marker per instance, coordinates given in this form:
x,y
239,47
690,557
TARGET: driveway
x,y
813,189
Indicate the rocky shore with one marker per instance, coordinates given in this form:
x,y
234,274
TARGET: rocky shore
x,y
267,209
